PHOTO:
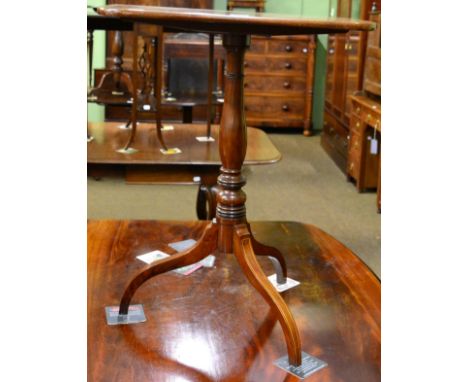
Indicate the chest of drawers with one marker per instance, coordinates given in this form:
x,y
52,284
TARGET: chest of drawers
x,y
278,81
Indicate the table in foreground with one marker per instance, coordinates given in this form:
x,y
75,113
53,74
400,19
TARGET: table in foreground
x,y
212,325
230,232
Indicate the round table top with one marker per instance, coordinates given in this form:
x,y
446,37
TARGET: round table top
x,y
216,21
212,325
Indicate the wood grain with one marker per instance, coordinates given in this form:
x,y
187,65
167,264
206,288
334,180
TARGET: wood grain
x,y
108,138
204,20
212,325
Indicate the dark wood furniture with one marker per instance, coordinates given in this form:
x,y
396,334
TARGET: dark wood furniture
x,y
258,5
364,164
230,232
345,70
210,326
278,86
197,164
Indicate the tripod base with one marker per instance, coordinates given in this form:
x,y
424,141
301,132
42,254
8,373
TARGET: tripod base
x,y
243,247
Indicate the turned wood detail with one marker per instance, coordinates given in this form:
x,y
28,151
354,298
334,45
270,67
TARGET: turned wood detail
x,y
116,83
245,255
231,199
90,58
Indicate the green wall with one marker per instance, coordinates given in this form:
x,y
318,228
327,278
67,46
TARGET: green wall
x,y
96,112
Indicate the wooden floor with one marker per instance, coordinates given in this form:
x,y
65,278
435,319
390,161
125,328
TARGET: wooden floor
x,y
212,325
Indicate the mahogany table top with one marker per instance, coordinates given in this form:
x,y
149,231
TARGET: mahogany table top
x,y
108,138
207,20
212,325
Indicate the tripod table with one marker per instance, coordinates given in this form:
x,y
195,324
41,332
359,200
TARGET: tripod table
x,y
229,232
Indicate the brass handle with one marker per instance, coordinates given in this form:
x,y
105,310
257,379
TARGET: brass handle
x,y
305,50
368,117
358,124
288,48
358,109
331,51
285,107
286,85
288,65
351,165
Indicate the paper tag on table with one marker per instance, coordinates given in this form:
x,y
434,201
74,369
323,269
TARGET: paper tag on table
x,y
171,151
290,283
153,256
205,139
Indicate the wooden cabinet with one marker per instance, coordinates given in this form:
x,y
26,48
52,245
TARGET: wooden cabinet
x,y
345,71
278,82
363,163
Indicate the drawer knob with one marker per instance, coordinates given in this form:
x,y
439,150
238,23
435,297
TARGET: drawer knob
x,y
358,109
288,65
246,84
305,50
246,64
285,107
358,124
286,84
331,51
288,48
351,166
368,117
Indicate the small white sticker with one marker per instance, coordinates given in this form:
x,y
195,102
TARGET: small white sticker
x,y
205,139
374,146
290,283
146,107
150,257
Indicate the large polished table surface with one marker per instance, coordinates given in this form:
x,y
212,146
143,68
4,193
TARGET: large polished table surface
x,y
207,20
108,138
212,325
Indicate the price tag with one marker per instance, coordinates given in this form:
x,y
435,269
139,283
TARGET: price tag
x,y
146,107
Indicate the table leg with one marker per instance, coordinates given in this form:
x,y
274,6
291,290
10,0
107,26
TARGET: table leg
x,y
246,257
204,246
234,235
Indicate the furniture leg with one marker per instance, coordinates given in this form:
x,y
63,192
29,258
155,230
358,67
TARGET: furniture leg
x,y
134,91
275,256
206,201
205,245
187,115
245,255
158,62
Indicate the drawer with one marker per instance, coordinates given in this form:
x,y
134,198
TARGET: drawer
x,y
288,47
336,135
353,169
274,84
257,45
275,64
355,142
274,107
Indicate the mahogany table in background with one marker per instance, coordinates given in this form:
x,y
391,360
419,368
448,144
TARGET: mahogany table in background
x,y
230,232
149,165
212,325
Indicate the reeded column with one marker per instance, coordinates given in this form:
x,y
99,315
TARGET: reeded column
x,y
232,143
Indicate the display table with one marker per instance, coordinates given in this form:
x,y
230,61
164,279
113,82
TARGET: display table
x,y
212,326
230,232
198,163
